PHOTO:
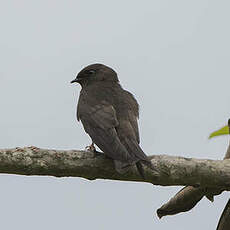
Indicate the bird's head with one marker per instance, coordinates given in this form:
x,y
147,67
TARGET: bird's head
x,y
95,73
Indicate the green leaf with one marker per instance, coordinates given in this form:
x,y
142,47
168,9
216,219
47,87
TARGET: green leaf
x,y
219,132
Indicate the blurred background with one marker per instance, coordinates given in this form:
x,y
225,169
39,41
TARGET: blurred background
x,y
172,55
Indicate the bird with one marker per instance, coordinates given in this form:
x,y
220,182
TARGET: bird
x,y
109,116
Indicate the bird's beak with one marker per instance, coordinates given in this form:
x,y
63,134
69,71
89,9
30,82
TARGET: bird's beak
x,y
75,80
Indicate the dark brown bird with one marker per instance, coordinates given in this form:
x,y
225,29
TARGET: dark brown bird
x,y
109,115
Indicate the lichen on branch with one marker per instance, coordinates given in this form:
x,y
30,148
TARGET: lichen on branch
x,y
169,170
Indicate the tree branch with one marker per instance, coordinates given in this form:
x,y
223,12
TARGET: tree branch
x,y
189,196
170,170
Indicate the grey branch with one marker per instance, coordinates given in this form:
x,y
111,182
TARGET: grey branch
x,y
189,196
169,170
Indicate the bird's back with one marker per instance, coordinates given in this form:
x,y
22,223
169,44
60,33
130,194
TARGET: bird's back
x,y
126,111
124,103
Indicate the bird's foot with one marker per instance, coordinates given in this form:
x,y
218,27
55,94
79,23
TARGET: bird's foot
x,y
90,148
34,148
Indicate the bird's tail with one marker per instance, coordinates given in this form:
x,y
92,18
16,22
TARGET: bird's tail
x,y
122,167
137,156
140,169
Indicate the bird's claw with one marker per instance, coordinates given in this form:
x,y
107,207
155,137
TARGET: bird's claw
x,y
90,148
34,148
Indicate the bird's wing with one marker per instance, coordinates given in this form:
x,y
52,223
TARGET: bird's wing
x,y
133,121
129,137
133,113
100,122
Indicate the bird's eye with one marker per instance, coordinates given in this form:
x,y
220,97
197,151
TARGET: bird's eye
x,y
91,71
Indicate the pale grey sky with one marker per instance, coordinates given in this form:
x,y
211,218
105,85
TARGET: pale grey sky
x,y
172,55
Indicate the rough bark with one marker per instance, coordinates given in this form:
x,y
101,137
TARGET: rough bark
x,y
189,196
170,170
